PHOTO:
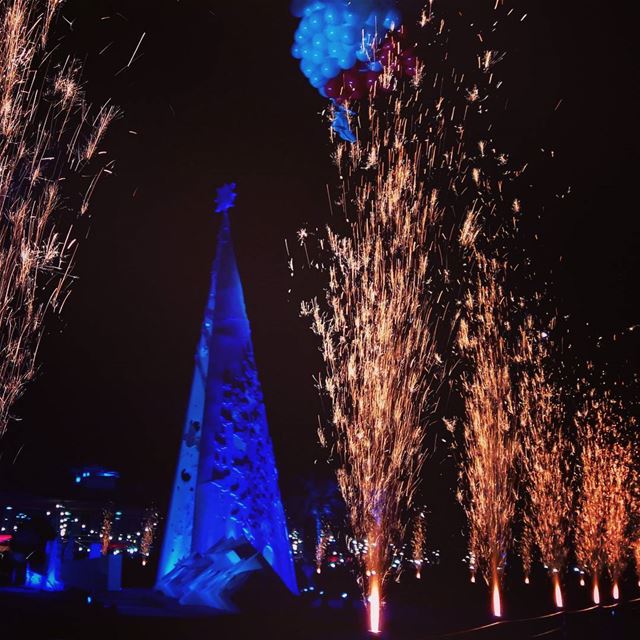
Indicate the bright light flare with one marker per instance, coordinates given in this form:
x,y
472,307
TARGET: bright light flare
x,y
497,604
596,592
616,591
374,606
557,590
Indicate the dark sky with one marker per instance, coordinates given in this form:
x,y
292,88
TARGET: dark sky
x,y
214,97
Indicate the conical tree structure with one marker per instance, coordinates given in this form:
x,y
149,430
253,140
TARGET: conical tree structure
x,y
226,484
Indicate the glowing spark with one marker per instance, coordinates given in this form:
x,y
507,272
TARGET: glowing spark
x,y
105,531
47,134
557,590
616,591
497,605
596,592
378,325
606,488
374,606
418,542
133,55
545,454
490,448
149,527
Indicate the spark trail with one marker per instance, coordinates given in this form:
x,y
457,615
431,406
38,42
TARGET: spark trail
x,y
48,134
418,542
546,454
606,460
378,332
488,493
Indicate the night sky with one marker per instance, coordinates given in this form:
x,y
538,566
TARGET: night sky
x,y
215,96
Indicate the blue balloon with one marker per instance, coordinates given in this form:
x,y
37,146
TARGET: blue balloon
x,y
307,67
317,56
349,35
312,8
332,32
318,41
373,20
300,36
296,51
305,27
392,19
332,15
335,49
330,68
347,59
317,80
305,50
363,55
316,23
351,18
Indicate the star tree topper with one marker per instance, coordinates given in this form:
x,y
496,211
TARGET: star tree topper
x,y
225,197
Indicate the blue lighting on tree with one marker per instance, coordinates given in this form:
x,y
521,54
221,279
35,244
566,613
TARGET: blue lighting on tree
x,y
226,487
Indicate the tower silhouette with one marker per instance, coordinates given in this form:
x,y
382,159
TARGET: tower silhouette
x,y
226,482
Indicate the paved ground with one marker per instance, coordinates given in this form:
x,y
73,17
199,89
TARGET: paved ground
x,y
143,614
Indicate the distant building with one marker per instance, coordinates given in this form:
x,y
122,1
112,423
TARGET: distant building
x,y
96,478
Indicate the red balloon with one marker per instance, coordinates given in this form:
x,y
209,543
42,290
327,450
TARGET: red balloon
x,y
408,58
371,79
354,84
388,45
333,88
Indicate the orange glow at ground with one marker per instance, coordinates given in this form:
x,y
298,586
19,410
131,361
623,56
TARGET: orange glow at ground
x,y
497,605
374,606
557,591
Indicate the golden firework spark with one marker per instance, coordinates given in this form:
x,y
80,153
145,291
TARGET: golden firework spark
x,y
418,542
378,329
488,493
149,526
105,530
636,557
601,538
47,133
323,535
546,454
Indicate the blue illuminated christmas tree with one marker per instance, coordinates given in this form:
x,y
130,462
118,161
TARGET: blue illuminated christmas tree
x,y
226,486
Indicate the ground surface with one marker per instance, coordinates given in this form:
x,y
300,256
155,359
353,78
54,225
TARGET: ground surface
x,y
144,614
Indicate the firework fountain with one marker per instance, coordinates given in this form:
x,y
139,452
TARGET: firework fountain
x,y
378,330
149,526
601,537
322,538
545,454
389,264
418,542
105,530
488,493
48,133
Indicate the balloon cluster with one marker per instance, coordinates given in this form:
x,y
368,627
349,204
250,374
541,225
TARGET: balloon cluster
x,y
340,44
